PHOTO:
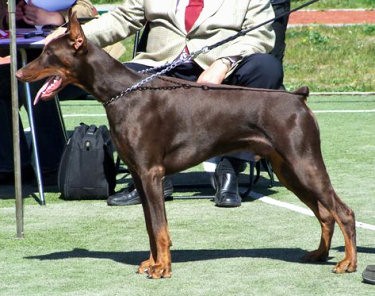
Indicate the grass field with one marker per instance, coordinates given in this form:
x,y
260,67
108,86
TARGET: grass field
x,y
88,248
320,56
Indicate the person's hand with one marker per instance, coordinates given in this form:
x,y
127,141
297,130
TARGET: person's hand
x,y
214,74
34,15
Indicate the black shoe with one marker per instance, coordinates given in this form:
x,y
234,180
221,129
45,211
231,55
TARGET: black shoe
x,y
127,198
226,190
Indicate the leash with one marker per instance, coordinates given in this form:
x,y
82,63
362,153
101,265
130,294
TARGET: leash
x,y
189,57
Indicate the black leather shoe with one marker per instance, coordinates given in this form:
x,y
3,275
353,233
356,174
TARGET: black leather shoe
x,y
127,198
227,190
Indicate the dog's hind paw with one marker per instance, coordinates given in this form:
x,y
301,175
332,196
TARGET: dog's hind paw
x,y
345,266
157,271
154,271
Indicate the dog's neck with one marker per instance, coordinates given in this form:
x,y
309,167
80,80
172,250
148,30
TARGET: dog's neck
x,y
103,76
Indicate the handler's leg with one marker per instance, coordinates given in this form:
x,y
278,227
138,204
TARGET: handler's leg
x,y
258,71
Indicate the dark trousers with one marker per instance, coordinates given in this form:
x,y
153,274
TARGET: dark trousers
x,y
257,70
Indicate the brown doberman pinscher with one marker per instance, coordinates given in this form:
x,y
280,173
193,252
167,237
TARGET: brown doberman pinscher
x,y
169,125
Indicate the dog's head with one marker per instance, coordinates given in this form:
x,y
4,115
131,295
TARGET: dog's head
x,y
58,61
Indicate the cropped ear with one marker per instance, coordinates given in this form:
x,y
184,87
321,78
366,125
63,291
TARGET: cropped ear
x,y
76,34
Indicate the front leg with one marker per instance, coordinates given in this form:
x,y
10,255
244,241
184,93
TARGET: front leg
x,y
151,194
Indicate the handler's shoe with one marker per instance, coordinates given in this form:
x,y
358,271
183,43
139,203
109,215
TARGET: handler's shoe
x,y
227,190
131,197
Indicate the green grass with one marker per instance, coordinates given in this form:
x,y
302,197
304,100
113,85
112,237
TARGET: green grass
x,y
105,2
88,248
331,58
336,4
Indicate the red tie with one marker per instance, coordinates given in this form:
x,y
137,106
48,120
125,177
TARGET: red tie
x,y
192,12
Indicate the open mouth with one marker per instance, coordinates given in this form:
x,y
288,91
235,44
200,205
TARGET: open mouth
x,y
49,88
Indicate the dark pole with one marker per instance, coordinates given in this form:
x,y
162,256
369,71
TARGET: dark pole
x,y
15,118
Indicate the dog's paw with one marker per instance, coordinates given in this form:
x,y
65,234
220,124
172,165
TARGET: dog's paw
x,y
144,267
345,266
158,271
155,271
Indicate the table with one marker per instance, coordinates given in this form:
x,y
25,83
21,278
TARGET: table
x,y
23,44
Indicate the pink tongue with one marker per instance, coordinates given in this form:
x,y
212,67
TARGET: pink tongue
x,y
39,94
48,87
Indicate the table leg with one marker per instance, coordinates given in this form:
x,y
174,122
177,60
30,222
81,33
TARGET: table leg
x,y
32,129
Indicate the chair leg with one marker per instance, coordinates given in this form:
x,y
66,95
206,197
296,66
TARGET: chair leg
x,y
267,166
34,145
252,165
120,169
61,118
256,166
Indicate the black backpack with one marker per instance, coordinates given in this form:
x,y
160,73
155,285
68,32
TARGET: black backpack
x,y
87,169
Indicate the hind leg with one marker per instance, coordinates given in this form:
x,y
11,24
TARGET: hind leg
x,y
327,224
346,220
309,180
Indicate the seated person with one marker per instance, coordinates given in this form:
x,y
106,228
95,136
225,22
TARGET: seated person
x,y
50,136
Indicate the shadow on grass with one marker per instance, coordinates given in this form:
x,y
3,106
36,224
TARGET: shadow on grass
x,y
179,256
366,250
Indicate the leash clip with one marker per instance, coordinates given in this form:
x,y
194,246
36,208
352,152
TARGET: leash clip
x,y
205,49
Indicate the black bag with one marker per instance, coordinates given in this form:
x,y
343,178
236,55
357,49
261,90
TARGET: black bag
x,y
87,169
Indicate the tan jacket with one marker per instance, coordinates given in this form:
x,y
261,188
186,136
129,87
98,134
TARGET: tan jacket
x,y
218,20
